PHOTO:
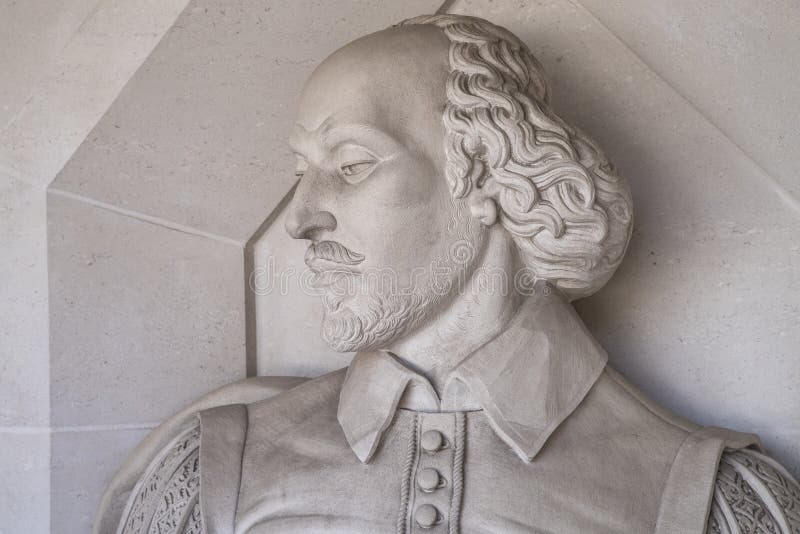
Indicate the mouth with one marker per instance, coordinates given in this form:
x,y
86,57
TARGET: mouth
x,y
326,256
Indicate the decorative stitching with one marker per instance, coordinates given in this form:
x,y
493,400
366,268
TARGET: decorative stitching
x,y
458,473
405,489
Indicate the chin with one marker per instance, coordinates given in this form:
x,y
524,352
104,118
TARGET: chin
x,y
357,326
369,321
345,331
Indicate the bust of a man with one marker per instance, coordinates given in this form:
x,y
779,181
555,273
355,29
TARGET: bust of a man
x,y
451,217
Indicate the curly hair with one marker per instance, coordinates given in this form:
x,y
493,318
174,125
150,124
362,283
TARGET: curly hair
x,y
568,211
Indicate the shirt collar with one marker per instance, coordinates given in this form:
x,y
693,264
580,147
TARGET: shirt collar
x,y
527,379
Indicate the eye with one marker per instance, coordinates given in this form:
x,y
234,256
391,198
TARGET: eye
x,y
301,168
355,168
355,162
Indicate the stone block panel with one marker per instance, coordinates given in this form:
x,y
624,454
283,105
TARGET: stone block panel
x,y
91,68
23,315
83,463
24,491
730,59
143,318
24,55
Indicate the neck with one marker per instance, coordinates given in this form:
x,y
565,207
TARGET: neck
x,y
477,313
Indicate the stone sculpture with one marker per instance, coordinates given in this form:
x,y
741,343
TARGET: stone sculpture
x,y
429,155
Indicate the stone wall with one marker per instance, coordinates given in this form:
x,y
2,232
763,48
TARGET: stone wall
x,y
144,171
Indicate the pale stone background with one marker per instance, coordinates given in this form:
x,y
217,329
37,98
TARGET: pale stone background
x,y
142,150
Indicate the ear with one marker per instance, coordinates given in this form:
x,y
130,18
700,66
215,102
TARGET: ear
x,y
481,202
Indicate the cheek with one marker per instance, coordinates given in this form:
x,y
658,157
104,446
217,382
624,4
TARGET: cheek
x,y
398,215
405,182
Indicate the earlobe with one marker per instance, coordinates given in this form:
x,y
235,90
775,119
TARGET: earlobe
x,y
482,206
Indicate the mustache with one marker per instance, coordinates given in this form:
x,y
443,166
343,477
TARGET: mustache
x,y
331,251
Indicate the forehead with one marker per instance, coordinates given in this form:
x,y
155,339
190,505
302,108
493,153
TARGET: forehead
x,y
392,81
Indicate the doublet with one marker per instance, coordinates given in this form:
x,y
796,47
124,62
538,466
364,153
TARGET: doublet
x,y
532,434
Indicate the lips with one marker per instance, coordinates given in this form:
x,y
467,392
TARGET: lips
x,y
331,256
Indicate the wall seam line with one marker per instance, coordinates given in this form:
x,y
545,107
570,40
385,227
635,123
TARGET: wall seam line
x,y
146,218
75,428
250,327
777,187
38,82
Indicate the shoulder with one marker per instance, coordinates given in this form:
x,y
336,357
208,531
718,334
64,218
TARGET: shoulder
x,y
309,411
753,493
614,408
300,402
167,460
715,476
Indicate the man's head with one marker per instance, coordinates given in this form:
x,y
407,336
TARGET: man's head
x,y
411,143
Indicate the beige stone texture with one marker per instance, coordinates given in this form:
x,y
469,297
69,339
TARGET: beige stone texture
x,y
83,463
23,314
24,491
80,84
24,56
734,60
143,318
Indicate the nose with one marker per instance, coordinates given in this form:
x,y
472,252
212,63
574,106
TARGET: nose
x,y
304,220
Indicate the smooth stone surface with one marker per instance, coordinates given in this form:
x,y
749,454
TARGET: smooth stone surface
x,y
156,315
222,170
25,487
702,314
426,515
732,60
432,441
25,56
76,91
24,356
82,465
428,479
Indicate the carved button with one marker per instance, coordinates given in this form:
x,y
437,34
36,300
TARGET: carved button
x,y
432,441
427,516
428,479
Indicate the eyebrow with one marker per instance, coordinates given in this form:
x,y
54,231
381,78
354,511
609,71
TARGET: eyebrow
x,y
330,135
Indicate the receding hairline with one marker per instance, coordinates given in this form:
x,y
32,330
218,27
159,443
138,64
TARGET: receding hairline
x,y
396,62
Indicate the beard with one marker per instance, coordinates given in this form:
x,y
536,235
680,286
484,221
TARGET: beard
x,y
377,321
360,313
